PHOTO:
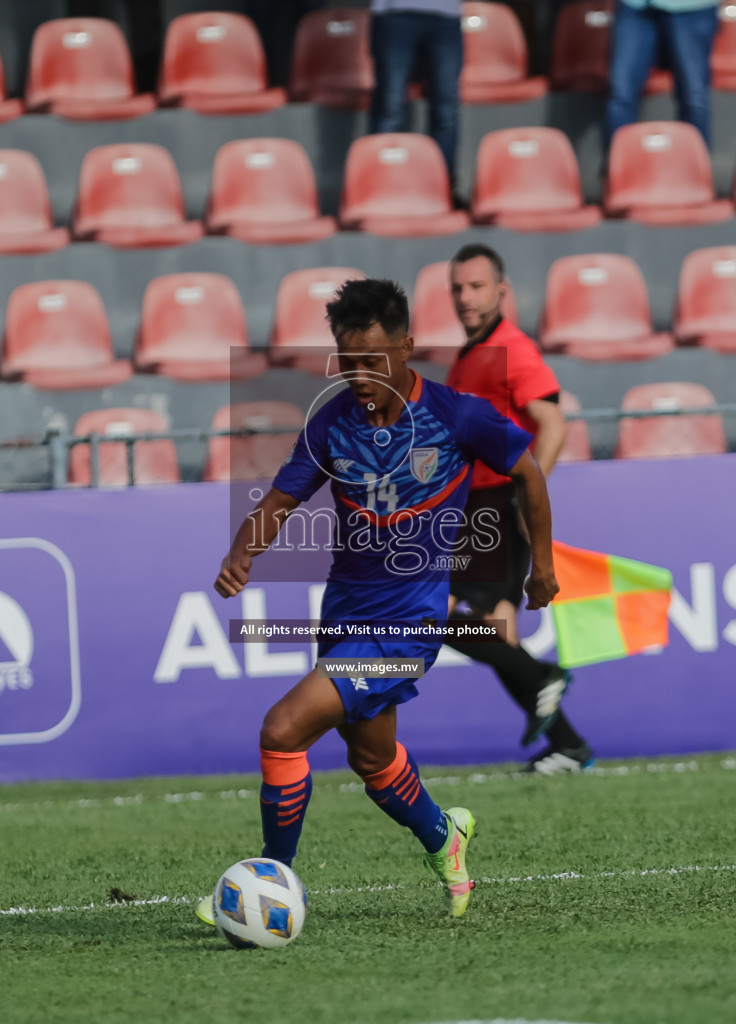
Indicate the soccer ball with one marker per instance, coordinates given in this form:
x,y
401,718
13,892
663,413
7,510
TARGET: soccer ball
x,y
259,904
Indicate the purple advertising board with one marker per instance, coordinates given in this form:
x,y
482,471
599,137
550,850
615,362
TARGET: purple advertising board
x,y
115,659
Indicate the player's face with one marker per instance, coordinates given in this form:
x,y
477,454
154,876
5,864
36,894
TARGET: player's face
x,y
375,366
476,293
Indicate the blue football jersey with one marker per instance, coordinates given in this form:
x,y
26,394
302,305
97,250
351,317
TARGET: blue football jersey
x,y
399,491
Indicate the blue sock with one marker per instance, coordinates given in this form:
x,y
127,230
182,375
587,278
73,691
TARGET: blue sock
x,y
282,816
403,797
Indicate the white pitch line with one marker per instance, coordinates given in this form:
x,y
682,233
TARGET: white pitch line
x,y
563,876
499,1020
476,778
23,911
566,876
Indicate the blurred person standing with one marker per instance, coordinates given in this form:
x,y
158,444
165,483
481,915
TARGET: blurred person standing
x,y
407,35
680,30
501,364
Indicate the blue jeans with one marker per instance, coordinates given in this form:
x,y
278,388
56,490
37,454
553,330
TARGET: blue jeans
x,y
639,36
402,41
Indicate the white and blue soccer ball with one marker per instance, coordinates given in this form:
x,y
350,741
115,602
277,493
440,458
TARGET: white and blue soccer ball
x,y
259,904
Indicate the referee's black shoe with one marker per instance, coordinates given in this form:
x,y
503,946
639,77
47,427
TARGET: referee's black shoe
x,y
562,761
548,700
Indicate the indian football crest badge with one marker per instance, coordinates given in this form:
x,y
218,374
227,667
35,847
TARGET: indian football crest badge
x,y
423,463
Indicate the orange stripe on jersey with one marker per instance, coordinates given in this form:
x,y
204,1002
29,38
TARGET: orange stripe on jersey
x,y
416,391
415,510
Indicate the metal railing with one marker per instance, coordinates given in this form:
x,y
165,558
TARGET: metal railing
x,y
60,444
613,415
57,445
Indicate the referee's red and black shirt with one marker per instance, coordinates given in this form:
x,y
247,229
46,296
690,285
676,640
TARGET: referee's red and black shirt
x,y
506,367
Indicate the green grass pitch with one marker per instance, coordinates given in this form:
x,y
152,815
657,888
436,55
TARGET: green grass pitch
x,y
607,897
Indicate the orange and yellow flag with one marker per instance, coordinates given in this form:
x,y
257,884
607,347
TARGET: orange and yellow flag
x,y
608,607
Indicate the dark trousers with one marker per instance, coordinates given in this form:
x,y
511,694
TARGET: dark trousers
x,y
639,36
402,42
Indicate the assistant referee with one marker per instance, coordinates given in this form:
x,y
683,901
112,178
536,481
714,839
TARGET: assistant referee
x,y
500,363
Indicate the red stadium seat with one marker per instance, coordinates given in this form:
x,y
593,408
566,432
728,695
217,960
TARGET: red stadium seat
x,y
300,323
57,337
659,80
26,225
597,307
580,49
723,54
214,63
190,325
397,185
130,196
9,108
495,57
660,437
437,332
81,68
260,455
580,46
331,63
434,324
577,442
706,302
659,172
264,191
528,179
154,462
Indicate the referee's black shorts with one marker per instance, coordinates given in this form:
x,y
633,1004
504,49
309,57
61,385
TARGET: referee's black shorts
x,y
495,571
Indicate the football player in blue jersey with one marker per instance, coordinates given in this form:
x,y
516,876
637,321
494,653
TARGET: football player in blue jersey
x,y
398,452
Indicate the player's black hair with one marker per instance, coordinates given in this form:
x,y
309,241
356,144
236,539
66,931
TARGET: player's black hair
x,y
359,304
469,252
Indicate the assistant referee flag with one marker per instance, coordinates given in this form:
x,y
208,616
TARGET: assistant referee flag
x,y
608,607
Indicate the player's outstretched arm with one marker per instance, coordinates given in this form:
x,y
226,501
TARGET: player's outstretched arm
x,y
531,491
258,530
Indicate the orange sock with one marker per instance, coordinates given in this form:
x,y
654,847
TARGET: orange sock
x,y
280,769
285,792
379,780
397,790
